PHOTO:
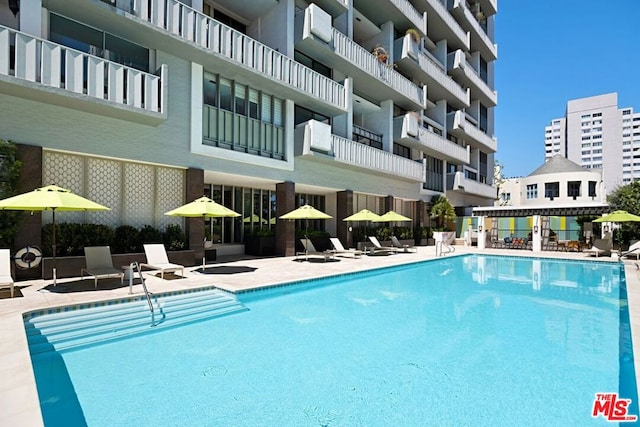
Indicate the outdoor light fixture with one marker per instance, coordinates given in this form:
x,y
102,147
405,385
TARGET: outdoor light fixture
x,y
606,228
535,229
480,228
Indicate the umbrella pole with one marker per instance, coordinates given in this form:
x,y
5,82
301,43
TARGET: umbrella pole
x,y
54,245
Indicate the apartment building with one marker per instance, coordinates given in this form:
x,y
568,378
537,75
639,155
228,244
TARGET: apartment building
x,y
596,134
263,105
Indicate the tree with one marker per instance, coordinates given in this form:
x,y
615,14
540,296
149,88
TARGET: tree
x,y
10,168
626,198
442,211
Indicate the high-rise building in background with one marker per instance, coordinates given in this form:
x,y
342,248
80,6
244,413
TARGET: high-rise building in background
x,y
596,134
263,105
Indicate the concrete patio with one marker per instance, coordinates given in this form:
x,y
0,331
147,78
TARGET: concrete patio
x,y
18,394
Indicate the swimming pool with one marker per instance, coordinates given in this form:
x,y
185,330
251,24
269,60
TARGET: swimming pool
x,y
469,340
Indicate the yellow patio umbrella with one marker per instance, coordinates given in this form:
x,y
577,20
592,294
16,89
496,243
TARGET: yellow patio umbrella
x,y
306,212
392,216
50,198
363,215
203,207
618,216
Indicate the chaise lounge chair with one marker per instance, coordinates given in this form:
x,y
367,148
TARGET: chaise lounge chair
x,y
157,260
309,249
634,251
5,270
404,248
100,264
378,249
600,247
340,250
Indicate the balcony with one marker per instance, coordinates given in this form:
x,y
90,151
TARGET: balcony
x,y
314,140
401,12
461,69
427,69
43,71
479,39
441,24
378,80
224,48
490,7
458,182
461,126
409,132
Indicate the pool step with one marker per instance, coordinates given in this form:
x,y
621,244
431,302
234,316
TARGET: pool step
x,y
90,325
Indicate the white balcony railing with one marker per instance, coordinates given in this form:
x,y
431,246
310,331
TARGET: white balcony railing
x,y
410,12
443,13
460,182
457,61
36,60
481,137
490,48
429,138
195,27
442,145
367,157
436,71
466,127
367,62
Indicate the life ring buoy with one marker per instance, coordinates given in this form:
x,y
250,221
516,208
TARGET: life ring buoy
x,y
28,257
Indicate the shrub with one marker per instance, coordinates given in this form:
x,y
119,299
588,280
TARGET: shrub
x,y
174,238
10,168
127,239
149,234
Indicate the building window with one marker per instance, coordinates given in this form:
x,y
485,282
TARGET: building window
x,y
573,189
592,188
434,179
402,151
532,191
552,190
239,118
97,42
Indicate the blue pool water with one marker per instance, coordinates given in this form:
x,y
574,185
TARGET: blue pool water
x,y
463,341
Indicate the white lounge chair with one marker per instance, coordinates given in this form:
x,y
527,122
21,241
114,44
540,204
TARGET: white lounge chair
x,y
600,247
157,259
405,248
309,249
634,251
379,249
5,270
340,250
100,264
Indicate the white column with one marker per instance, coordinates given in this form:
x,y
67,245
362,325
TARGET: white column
x,y
482,233
536,234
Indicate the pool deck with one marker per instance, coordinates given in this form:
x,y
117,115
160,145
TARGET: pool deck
x,y
18,394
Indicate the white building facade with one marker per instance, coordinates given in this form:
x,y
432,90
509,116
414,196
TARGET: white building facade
x,y
263,105
596,134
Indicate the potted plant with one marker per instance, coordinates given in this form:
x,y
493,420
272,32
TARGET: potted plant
x,y
415,35
380,53
262,242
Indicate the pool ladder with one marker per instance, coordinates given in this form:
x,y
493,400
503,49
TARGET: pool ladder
x,y
443,248
135,266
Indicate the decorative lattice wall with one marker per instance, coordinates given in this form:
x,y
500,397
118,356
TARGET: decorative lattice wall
x,y
138,194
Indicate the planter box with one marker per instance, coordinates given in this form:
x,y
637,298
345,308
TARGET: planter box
x,y
260,245
70,266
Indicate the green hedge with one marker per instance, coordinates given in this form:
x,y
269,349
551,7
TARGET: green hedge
x,y
71,238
